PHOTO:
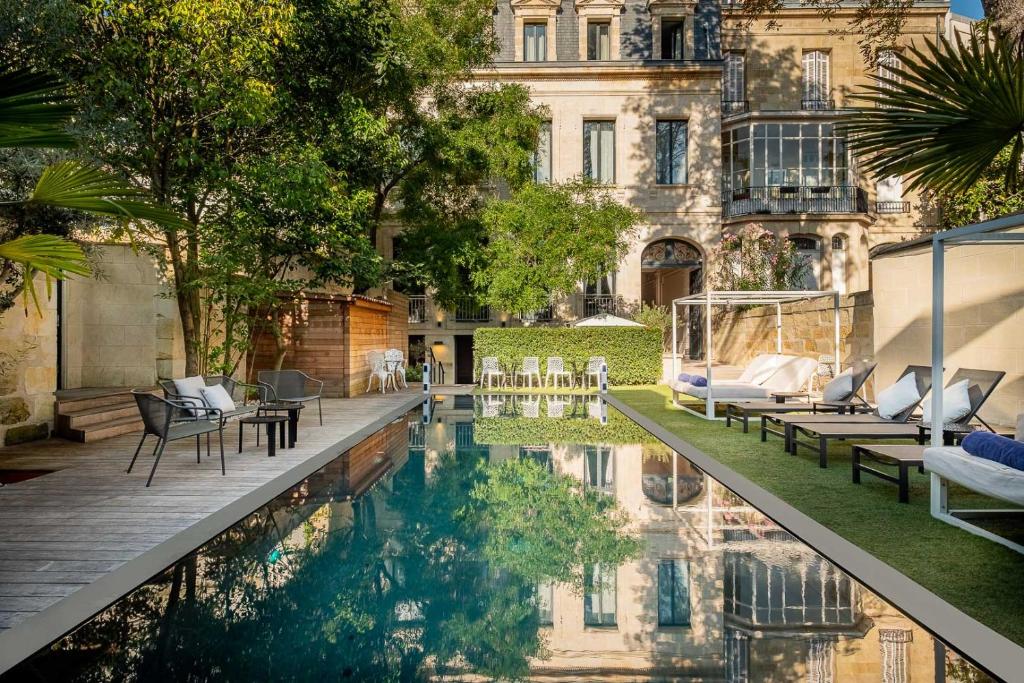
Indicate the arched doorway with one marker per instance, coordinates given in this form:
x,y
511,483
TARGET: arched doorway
x,y
671,268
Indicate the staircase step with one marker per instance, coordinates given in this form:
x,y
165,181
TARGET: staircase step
x,y
105,430
80,419
77,400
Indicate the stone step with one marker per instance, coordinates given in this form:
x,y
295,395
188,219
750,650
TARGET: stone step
x,y
80,419
77,400
106,430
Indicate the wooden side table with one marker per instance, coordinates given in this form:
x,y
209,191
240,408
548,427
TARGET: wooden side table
x,y
273,423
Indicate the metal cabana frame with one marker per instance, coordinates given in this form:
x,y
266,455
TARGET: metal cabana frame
x,y
988,233
712,298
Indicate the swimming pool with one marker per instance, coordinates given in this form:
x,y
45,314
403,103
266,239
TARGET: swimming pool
x,y
502,537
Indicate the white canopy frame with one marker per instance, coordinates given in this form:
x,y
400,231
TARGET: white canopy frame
x,y
711,298
993,232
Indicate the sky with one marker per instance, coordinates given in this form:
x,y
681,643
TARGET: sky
x,y
970,8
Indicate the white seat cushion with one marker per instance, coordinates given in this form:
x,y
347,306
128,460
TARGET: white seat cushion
x,y
956,403
840,388
792,375
731,391
899,396
218,397
762,367
978,474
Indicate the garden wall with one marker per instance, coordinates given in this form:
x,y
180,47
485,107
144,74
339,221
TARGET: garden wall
x,y
807,330
633,354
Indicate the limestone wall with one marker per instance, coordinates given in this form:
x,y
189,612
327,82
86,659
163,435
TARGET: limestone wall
x,y
984,316
28,370
807,330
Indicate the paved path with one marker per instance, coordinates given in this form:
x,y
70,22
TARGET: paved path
x,y
90,525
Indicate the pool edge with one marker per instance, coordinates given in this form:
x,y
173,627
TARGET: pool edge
x,y
990,650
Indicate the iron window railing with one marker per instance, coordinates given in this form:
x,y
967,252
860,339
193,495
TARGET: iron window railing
x,y
892,207
734,107
784,199
594,304
469,311
817,105
417,309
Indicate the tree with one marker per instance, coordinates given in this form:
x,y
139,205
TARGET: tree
x,y
34,112
755,259
986,199
945,115
546,239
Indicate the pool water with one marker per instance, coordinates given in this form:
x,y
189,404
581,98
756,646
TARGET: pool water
x,y
505,538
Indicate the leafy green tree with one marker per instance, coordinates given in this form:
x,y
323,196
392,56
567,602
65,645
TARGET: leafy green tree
x,y
985,199
546,239
755,259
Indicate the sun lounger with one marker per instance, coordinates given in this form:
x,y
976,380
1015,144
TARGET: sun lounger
x,y
766,374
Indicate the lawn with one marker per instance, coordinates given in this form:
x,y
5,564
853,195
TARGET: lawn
x,y
979,577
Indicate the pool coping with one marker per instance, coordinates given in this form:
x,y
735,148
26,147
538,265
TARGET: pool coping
x,y
30,636
993,652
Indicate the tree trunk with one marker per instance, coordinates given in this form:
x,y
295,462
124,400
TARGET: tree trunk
x,y
280,346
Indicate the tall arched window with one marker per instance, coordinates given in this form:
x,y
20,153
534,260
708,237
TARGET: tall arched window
x,y
808,248
839,263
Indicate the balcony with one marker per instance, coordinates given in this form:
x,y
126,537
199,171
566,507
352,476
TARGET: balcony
x,y
417,310
731,107
892,207
594,304
469,311
794,199
817,105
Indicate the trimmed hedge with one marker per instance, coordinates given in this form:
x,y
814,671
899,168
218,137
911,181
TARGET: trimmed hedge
x,y
619,431
633,353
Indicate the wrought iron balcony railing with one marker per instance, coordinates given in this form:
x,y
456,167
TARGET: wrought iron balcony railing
x,y
417,309
782,199
594,304
734,107
469,311
892,207
817,105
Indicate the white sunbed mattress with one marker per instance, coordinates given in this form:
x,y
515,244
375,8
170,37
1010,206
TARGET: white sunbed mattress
x,y
722,390
977,474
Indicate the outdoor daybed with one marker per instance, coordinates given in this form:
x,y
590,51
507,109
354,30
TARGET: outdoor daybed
x,y
767,373
954,464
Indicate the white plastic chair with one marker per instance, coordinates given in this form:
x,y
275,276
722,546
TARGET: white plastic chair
x,y
493,405
531,368
378,371
556,406
530,406
556,369
394,361
490,369
593,370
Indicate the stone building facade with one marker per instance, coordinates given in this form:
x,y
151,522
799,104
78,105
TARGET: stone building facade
x,y
746,121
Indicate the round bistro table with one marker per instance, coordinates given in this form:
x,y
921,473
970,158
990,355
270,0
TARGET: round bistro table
x,y
273,423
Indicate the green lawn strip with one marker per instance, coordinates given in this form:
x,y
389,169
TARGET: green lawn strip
x,y
979,577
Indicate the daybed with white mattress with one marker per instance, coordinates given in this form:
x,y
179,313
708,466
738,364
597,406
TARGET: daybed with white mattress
x,y
954,464
767,373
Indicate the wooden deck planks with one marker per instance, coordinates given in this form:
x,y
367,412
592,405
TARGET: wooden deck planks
x,y
72,527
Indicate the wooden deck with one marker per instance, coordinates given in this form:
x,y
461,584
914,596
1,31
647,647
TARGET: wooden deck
x,y
74,540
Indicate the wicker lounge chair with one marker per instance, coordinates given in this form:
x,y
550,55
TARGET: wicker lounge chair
x,y
292,386
170,420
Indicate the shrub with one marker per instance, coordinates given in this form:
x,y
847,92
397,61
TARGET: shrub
x,y
633,354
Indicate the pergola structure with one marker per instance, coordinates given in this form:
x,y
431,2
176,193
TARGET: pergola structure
x,y
711,298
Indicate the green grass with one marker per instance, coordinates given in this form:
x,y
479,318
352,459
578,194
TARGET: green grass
x,y
979,577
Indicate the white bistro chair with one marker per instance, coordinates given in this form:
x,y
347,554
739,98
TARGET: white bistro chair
x,y
530,369
378,371
394,362
593,370
556,370
489,368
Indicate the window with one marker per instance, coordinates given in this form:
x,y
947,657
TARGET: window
x,y
671,152
808,250
888,62
673,593
542,157
673,36
733,78
839,263
599,40
535,42
816,80
599,151
545,599
600,469
599,597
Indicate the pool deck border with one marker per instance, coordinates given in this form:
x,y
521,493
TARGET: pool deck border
x,y
993,652
21,641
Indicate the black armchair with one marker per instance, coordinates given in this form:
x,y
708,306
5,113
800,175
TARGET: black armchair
x,y
158,417
292,386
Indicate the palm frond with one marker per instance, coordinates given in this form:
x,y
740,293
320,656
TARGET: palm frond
x,y
944,116
81,187
54,257
34,110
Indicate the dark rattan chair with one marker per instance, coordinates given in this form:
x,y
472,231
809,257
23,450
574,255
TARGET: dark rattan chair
x,y
292,386
170,420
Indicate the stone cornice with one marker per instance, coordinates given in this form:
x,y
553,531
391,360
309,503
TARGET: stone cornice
x,y
535,4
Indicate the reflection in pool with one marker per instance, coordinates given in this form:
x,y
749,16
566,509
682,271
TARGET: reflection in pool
x,y
498,539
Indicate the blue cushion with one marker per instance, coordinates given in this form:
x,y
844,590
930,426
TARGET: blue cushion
x,y
698,381
683,377
996,448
